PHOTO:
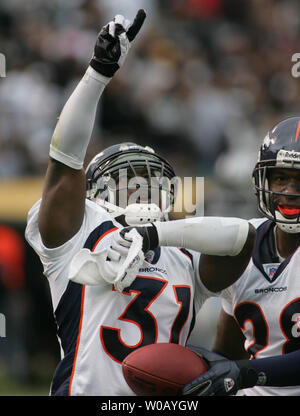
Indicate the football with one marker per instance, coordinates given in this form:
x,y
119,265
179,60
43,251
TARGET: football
x,y
161,369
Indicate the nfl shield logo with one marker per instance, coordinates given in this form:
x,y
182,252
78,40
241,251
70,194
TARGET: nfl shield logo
x,y
149,256
228,384
271,269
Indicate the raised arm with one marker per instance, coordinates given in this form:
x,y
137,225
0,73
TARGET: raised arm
x,y
63,200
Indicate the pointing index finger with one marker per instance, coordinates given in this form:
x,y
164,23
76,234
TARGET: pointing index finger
x,y
136,25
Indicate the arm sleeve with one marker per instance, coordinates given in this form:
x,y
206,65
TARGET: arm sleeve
x,y
217,236
279,371
75,125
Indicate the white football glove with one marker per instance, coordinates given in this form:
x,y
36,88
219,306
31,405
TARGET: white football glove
x,y
130,267
119,247
117,265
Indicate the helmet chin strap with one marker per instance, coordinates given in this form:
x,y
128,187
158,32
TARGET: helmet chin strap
x,y
291,228
135,214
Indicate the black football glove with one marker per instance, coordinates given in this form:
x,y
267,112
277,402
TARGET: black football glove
x,y
223,378
113,43
149,234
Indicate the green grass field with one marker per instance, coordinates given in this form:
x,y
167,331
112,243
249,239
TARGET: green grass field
x,y
11,388
39,384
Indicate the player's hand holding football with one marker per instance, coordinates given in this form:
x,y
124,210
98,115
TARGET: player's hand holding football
x,y
223,378
113,43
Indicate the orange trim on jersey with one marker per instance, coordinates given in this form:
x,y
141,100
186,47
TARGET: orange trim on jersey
x,y
185,254
180,308
81,312
288,339
298,131
243,328
78,338
102,236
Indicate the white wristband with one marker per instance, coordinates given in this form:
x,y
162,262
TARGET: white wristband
x,y
75,125
219,236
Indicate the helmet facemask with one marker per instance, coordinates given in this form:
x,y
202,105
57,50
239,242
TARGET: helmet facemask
x,y
135,188
268,200
280,150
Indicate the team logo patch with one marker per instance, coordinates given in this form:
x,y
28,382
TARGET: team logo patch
x,y
149,256
262,379
270,270
228,384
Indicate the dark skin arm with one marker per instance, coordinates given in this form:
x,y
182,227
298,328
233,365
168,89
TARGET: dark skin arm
x,y
63,202
229,340
219,272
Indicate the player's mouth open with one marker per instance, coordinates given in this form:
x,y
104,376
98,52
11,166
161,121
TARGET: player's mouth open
x,y
289,211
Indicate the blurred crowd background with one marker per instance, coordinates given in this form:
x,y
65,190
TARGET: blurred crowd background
x,y
205,81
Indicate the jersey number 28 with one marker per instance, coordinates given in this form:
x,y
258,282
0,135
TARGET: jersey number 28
x,y
289,322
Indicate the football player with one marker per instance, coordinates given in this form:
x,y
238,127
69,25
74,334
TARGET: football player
x,y
261,311
115,289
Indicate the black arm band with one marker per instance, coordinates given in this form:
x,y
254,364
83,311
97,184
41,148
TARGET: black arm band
x,y
107,70
150,237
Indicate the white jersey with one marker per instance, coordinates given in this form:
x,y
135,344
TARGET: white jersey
x,y
265,301
97,326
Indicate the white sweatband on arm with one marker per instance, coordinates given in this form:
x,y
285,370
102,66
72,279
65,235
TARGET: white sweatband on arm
x,y
75,125
218,236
